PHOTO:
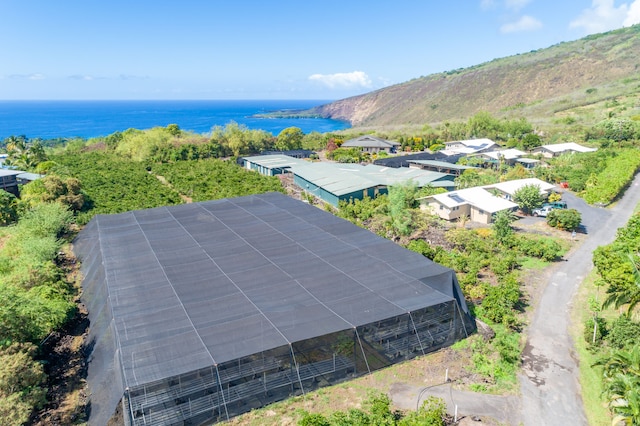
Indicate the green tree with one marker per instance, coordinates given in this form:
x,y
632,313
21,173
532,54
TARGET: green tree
x,y
174,130
314,141
528,198
502,225
433,412
531,141
23,154
483,125
8,208
628,296
53,188
289,138
401,201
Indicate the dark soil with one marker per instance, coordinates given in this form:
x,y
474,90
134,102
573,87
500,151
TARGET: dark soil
x,y
66,367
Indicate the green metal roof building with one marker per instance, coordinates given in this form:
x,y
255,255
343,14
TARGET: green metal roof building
x,y
335,182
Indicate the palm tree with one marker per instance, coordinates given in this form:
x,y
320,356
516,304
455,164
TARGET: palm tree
x,y
621,373
626,295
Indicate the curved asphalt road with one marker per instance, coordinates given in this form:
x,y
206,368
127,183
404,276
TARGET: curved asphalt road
x,y
549,381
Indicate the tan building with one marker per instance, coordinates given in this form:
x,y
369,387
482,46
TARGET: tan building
x,y
478,204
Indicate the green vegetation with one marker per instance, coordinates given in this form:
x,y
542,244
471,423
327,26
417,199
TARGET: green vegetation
x,y
212,179
114,184
431,413
567,219
612,336
136,169
596,176
36,300
528,198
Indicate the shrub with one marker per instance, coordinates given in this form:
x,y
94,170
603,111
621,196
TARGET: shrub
x,y
568,219
8,208
543,248
21,384
45,220
601,330
501,301
623,332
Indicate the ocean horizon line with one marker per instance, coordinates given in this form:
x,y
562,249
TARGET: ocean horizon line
x,y
53,119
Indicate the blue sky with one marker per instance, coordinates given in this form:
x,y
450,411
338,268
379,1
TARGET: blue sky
x,y
278,49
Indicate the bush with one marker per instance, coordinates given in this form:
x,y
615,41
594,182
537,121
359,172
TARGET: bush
x,y
21,384
543,248
601,330
623,332
46,220
568,219
8,208
501,301
432,413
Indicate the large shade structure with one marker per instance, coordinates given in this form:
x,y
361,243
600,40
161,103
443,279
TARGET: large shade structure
x,y
202,311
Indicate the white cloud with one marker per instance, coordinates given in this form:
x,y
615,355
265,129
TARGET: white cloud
x,y
516,4
343,80
526,23
603,15
27,76
81,77
633,14
133,77
487,4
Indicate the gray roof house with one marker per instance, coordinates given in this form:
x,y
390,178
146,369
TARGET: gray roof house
x,y
371,144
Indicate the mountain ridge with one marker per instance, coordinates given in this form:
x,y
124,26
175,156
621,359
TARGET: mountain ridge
x,y
536,83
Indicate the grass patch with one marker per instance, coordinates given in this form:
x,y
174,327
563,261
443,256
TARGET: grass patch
x,y
534,263
590,380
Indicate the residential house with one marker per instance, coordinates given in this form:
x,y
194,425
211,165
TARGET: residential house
x,y
471,146
508,156
477,204
9,181
554,150
371,144
508,189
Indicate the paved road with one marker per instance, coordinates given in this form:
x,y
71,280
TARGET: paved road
x,y
549,382
550,391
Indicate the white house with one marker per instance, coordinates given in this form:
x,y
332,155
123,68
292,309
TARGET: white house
x,y
554,150
478,204
471,146
509,188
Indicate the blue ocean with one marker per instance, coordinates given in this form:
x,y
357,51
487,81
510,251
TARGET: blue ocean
x,y
88,119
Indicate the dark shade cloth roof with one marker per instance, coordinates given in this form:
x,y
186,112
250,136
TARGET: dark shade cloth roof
x,y
200,284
